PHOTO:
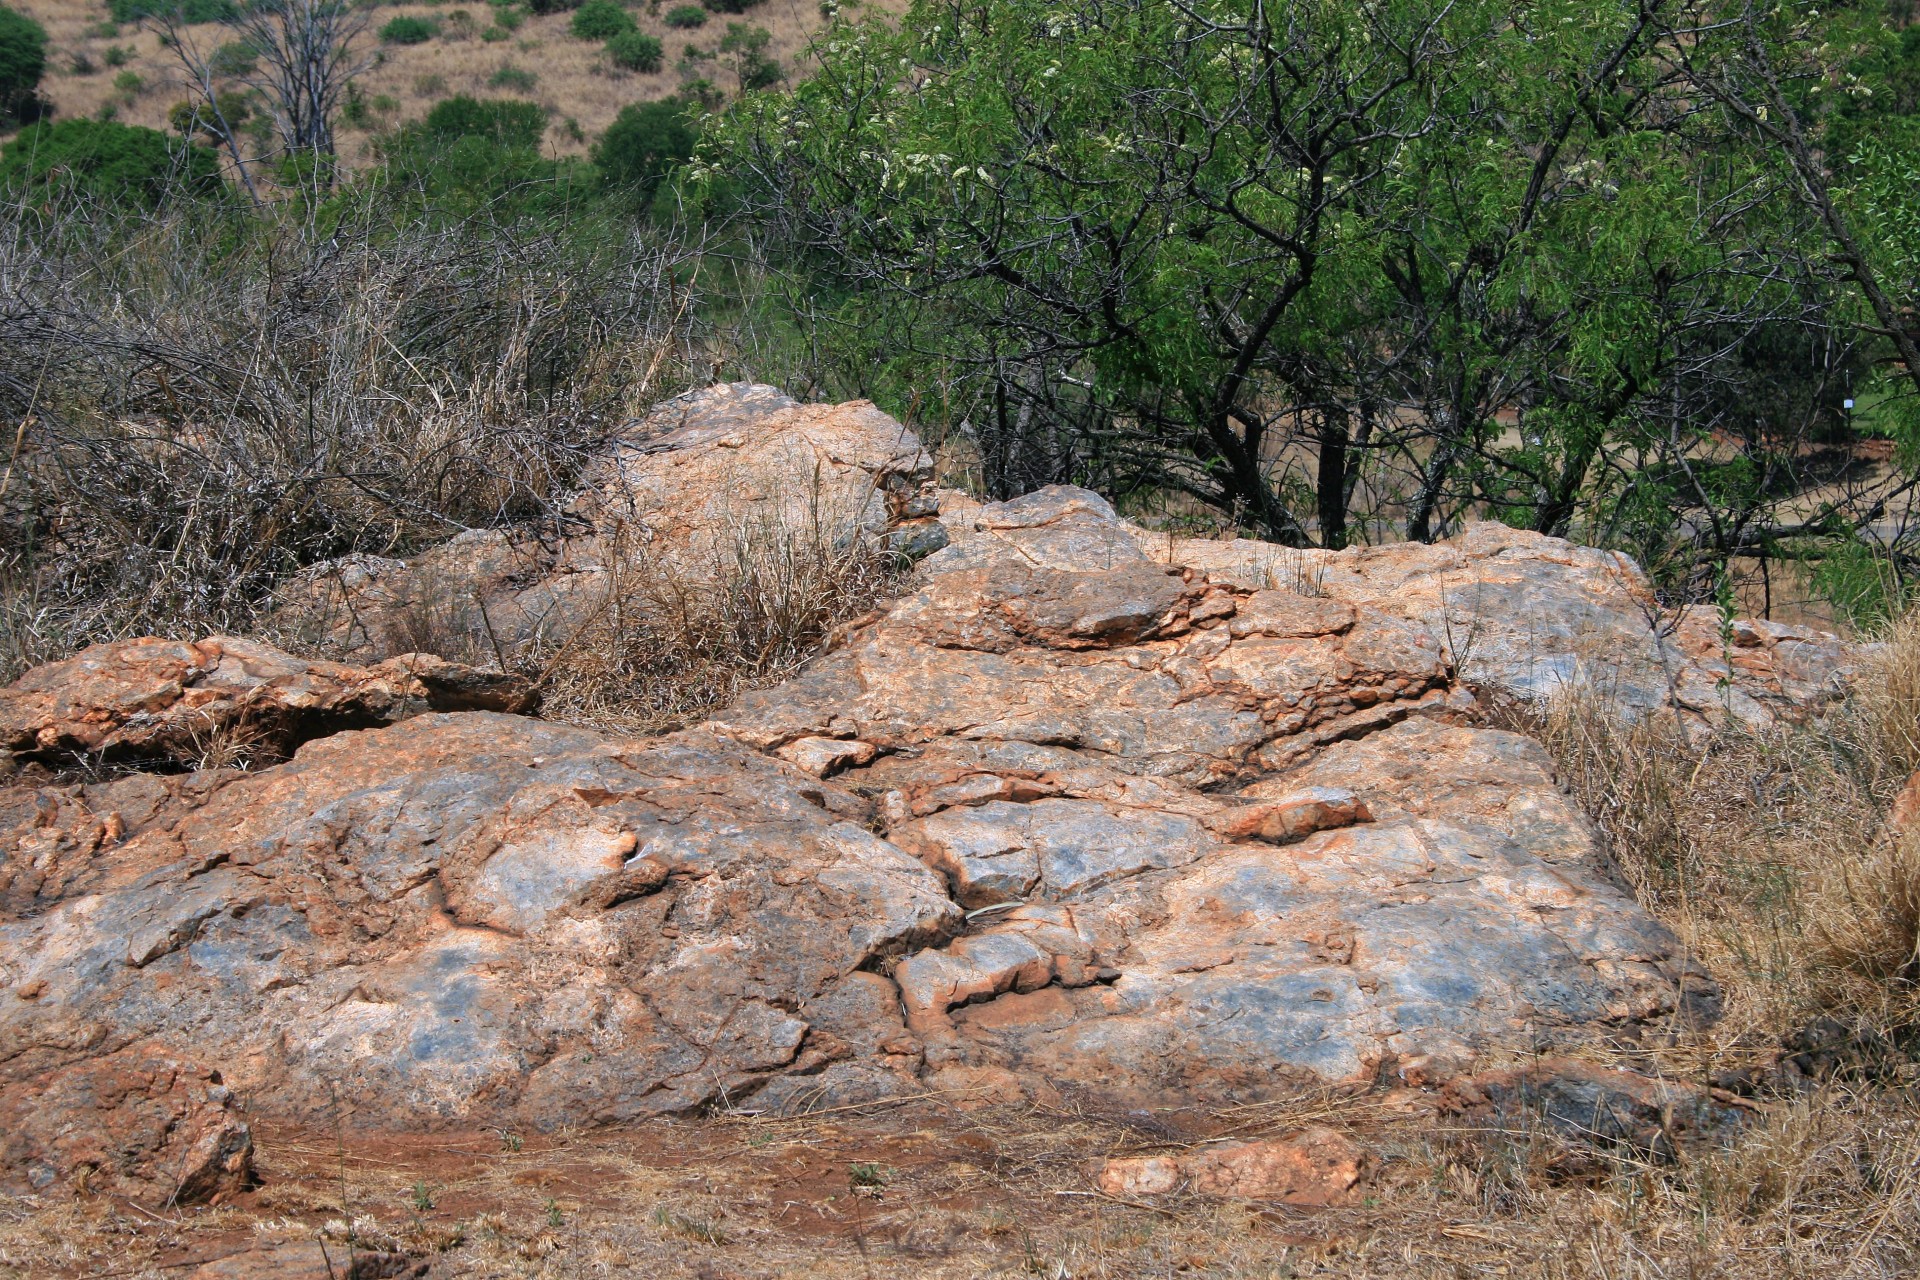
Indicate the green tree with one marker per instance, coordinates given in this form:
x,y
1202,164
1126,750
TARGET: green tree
x,y
113,163
23,60
1328,269
644,143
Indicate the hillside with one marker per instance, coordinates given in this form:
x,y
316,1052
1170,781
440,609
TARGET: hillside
x,y
96,65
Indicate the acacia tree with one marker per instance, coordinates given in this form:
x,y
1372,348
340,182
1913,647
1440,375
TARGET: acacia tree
x,y
1334,270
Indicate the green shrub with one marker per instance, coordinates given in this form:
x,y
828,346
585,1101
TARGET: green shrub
x,y
505,122
189,118
635,51
494,35
115,163
729,6
687,15
552,6
514,78
128,84
23,60
408,30
508,17
189,10
745,48
116,55
234,58
601,20
644,143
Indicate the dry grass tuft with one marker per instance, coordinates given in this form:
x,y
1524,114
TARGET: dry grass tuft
x,y
1770,852
674,638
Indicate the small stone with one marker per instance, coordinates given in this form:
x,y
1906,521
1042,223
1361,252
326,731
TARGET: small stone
x,y
1317,1167
823,757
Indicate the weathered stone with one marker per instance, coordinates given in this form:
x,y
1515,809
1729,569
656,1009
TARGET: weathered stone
x,y
1317,1167
1067,817
471,916
1597,1105
1537,617
166,700
136,1123
671,500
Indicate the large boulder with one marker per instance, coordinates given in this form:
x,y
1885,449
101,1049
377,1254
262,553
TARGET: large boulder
x,y
673,501
1070,816
1537,617
469,916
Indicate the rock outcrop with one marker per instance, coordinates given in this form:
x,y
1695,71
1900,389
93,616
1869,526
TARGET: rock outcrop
x,y
675,495
1067,817
169,702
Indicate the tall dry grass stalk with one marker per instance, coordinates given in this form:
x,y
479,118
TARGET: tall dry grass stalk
x,y
675,637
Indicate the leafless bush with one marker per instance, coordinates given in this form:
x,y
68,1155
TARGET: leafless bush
x,y
201,409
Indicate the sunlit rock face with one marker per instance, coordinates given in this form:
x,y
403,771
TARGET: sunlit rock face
x,y
1085,811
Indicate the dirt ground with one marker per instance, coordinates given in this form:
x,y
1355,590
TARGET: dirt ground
x,y
923,1189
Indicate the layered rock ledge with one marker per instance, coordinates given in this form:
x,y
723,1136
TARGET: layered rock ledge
x,y
1085,811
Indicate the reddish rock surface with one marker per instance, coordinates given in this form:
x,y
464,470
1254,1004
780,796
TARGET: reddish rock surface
x,y
171,701
1067,817
137,1123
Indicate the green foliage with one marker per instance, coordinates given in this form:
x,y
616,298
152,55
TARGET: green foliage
x,y
1863,584
552,6
744,48
686,16
115,55
512,77
188,10
729,6
113,163
409,30
189,118
644,143
23,60
504,122
469,155
635,51
234,58
129,84
600,20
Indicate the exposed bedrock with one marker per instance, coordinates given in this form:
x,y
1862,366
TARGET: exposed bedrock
x,y
1067,817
